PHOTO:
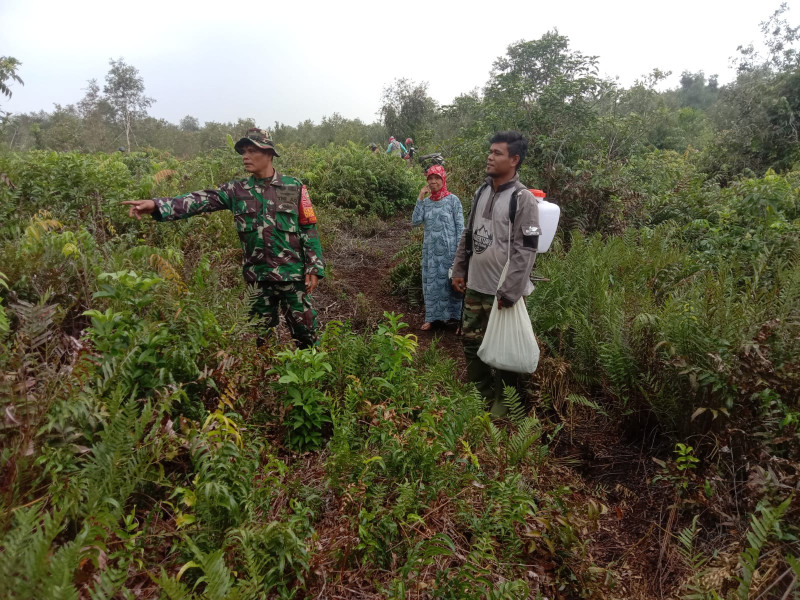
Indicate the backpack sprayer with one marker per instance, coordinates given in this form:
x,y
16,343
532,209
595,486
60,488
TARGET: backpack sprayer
x,y
549,214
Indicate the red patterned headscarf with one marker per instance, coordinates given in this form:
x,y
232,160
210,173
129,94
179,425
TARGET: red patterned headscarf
x,y
438,170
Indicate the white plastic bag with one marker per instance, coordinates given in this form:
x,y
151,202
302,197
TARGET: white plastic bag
x,y
509,343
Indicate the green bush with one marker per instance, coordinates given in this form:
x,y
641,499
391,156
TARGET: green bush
x,y
298,373
353,177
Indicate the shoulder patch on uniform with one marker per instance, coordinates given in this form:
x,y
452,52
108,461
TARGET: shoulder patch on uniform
x,y
307,216
531,230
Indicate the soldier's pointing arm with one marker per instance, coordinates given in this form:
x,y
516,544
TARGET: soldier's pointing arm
x,y
194,203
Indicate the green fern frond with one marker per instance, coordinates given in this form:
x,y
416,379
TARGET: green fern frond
x,y
172,588
528,433
512,401
794,565
761,527
497,437
696,562
581,400
406,500
110,581
31,567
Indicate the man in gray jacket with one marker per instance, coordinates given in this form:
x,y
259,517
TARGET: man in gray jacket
x,y
483,250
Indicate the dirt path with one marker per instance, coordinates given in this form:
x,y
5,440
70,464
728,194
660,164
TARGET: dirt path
x,y
359,287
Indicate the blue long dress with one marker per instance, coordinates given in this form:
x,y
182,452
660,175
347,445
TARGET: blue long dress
x,y
444,221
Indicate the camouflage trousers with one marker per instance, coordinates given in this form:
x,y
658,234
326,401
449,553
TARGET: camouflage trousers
x,y
289,298
490,382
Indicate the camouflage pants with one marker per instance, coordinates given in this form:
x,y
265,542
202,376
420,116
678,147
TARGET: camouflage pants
x,y
291,299
490,382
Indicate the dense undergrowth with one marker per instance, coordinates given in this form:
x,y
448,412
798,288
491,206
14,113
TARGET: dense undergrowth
x,y
684,328
694,312
147,450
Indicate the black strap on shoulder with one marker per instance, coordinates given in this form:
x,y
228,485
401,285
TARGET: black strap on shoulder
x,y
512,204
512,207
468,234
512,213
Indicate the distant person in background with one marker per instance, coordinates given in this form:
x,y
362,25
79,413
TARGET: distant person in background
x,y
443,217
281,252
395,148
410,151
373,148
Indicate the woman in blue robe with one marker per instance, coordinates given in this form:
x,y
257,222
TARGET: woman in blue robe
x,y
443,217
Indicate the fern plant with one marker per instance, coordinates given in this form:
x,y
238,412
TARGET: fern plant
x,y
406,275
696,561
761,529
513,403
528,433
4,325
30,567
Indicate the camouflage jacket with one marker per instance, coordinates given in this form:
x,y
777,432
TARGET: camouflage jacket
x,y
275,245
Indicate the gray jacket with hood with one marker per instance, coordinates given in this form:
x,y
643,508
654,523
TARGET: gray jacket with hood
x,y
490,235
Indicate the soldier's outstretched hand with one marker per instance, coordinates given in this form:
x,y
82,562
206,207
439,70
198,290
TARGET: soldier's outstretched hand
x,y
140,207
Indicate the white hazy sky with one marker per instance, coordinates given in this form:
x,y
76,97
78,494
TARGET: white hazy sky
x,y
289,61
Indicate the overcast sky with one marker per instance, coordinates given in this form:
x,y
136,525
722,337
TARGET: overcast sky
x,y
293,60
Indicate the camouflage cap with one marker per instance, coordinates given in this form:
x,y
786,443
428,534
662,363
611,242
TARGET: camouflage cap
x,y
259,138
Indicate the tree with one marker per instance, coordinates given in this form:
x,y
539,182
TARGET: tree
x,y
91,101
757,115
530,69
124,92
97,116
64,129
695,92
779,39
406,109
189,123
549,91
8,72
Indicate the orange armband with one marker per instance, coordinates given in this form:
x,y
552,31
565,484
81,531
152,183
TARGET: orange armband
x,y
307,216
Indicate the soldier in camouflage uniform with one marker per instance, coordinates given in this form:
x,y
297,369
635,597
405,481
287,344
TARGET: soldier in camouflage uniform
x,y
281,252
